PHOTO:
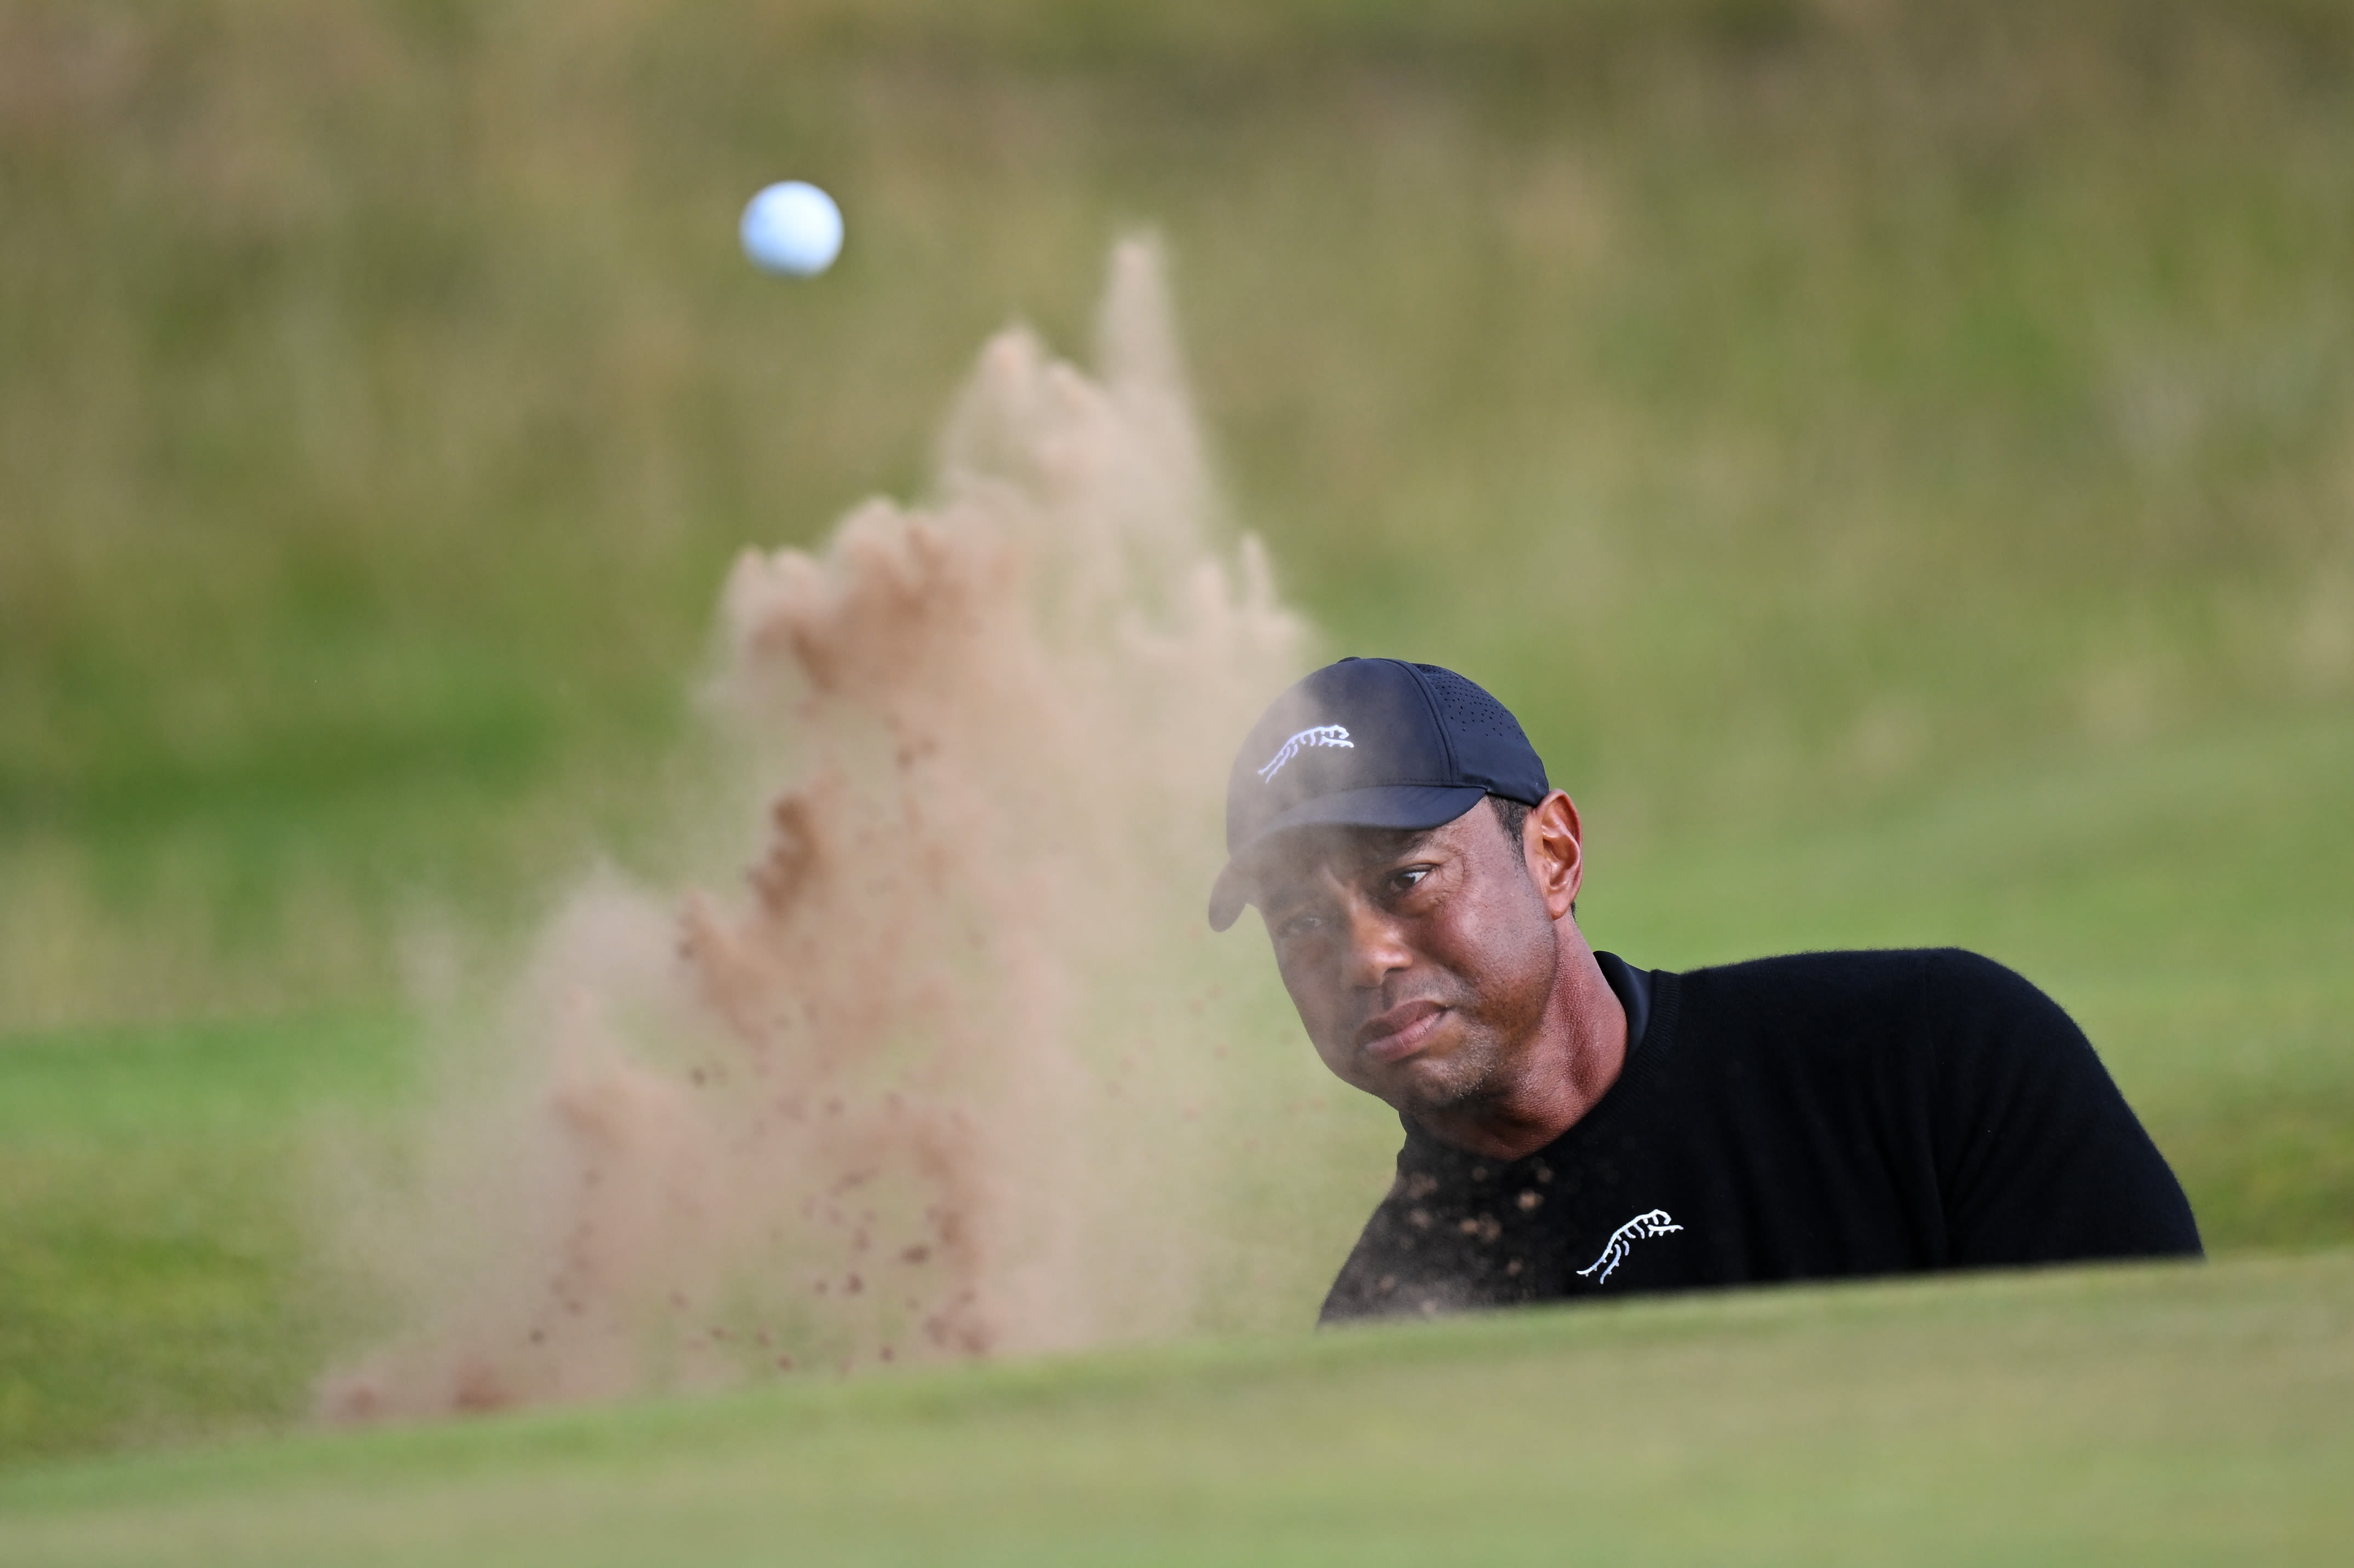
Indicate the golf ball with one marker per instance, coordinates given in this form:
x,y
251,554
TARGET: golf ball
x,y
792,227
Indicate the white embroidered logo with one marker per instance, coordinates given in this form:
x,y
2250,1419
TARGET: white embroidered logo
x,y
1655,1222
1322,735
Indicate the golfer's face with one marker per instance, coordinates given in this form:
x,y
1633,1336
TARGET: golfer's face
x,y
1421,964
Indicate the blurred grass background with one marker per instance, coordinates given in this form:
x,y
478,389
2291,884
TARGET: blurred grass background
x,y
1897,457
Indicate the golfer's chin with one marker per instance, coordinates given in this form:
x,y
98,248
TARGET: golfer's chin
x,y
1442,1074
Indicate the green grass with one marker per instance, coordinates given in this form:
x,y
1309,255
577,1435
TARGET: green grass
x,y
2147,1416
162,1276
1895,458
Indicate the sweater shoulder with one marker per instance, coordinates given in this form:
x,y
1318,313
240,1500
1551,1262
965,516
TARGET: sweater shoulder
x,y
1839,977
1836,1003
1856,973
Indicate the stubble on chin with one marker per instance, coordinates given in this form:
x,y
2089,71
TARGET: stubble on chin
x,y
1422,1087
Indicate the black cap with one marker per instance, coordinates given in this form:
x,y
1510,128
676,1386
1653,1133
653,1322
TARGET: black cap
x,y
1370,743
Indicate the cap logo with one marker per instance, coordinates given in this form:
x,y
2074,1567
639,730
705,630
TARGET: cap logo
x,y
1322,735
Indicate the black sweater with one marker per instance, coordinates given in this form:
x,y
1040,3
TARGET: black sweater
x,y
1806,1117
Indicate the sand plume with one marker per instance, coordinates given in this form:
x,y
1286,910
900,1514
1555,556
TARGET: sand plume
x,y
924,1086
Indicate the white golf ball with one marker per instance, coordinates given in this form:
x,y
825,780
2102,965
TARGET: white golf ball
x,y
792,227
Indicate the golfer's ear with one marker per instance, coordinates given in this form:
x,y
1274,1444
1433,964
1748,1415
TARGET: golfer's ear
x,y
1555,844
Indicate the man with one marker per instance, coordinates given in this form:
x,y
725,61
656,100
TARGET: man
x,y
1578,1126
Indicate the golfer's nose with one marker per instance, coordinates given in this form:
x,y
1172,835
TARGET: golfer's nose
x,y
1377,949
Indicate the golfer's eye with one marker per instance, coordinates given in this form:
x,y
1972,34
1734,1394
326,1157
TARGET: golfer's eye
x,y
1405,880
1298,925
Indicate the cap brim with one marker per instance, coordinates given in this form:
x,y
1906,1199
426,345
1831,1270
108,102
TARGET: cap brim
x,y
1410,806
1228,897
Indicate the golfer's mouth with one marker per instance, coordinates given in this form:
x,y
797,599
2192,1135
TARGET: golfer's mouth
x,y
1399,1033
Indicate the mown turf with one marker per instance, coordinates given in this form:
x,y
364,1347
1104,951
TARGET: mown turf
x,y
159,1277
2164,1415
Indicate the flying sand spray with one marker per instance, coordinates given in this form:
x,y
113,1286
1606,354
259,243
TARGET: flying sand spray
x,y
960,1074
